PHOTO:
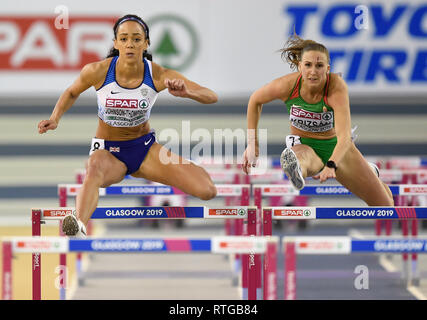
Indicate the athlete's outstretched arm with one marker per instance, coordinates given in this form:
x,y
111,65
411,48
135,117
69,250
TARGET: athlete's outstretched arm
x,y
276,89
89,75
180,86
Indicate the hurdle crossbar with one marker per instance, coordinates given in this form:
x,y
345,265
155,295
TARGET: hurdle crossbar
x,y
348,213
411,161
240,191
201,212
40,215
217,244
328,190
223,190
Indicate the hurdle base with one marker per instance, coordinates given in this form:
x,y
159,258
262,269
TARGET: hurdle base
x,y
415,282
245,295
235,281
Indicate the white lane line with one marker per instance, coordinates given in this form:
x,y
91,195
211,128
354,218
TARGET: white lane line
x,y
417,293
387,264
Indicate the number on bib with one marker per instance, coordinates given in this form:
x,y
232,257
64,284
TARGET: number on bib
x,y
292,140
97,144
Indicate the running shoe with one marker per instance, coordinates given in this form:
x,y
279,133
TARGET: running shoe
x,y
290,165
71,226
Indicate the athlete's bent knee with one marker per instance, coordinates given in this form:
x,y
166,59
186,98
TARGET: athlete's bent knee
x,y
390,201
208,192
94,168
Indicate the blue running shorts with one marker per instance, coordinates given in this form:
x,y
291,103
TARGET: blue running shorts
x,y
130,152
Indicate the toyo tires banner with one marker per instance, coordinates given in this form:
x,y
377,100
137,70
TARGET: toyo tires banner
x,y
380,47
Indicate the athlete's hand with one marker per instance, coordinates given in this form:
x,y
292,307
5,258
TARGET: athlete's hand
x,y
325,174
177,87
250,157
46,125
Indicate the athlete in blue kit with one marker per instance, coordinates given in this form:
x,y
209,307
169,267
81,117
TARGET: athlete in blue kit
x,y
127,84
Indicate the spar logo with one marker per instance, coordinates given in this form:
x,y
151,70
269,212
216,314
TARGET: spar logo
x,y
126,103
415,189
122,103
320,245
143,104
296,111
41,244
327,116
241,245
292,213
278,189
175,41
227,212
58,213
73,190
34,43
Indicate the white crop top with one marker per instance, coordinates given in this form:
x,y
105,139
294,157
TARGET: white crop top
x,y
124,107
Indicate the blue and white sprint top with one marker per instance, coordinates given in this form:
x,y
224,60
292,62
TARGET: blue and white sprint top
x,y
125,107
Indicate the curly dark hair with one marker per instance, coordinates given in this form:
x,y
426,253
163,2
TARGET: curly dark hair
x,y
114,52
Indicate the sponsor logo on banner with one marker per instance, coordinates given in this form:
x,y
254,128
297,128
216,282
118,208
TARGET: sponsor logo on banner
x,y
127,245
332,190
73,190
238,245
415,189
323,245
247,245
227,212
44,245
278,189
400,245
176,40
292,212
396,32
58,213
147,190
228,190
29,43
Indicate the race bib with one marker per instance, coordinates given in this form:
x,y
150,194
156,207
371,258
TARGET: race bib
x,y
97,144
292,140
311,121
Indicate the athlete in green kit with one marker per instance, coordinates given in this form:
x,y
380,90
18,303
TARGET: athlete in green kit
x,y
320,144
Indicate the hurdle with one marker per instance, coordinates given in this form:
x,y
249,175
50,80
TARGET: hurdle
x,y
346,213
393,161
217,245
242,191
340,245
260,191
39,216
404,175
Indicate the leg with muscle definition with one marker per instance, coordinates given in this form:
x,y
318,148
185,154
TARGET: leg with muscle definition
x,y
102,170
355,173
163,166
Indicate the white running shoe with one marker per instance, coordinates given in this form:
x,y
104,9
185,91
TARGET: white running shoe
x,y
290,165
71,226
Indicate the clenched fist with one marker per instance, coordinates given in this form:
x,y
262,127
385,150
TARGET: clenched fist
x,y
46,125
